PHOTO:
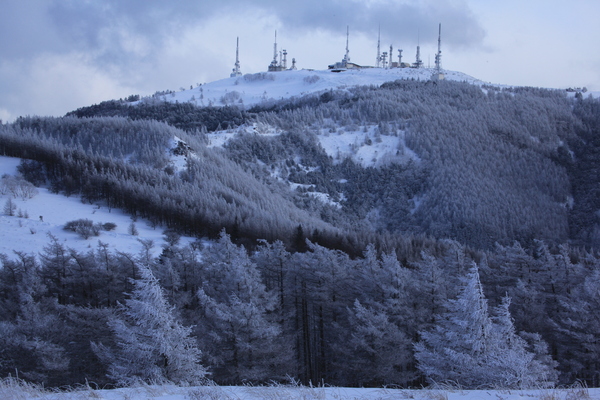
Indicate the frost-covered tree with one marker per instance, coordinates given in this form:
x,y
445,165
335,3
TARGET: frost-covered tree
x,y
514,361
152,346
10,207
468,348
378,346
242,342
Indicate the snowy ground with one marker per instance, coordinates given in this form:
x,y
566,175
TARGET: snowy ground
x,y
47,213
251,89
292,393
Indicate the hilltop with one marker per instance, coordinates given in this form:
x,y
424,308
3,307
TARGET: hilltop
x,y
251,89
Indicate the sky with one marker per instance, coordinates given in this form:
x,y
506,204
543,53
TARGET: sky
x,y
59,55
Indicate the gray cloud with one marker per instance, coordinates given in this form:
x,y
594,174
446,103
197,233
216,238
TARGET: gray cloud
x,y
128,43
398,20
96,26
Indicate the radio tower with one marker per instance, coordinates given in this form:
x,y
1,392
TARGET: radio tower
x,y
347,56
418,62
236,71
438,57
275,65
379,47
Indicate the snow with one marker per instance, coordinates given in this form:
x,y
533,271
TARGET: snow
x,y
251,89
365,147
300,392
47,214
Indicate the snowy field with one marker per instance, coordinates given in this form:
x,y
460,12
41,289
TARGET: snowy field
x,y
46,214
10,391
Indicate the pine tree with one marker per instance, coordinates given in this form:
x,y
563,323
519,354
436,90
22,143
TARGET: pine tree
x,y
512,363
152,346
468,348
378,346
10,207
243,342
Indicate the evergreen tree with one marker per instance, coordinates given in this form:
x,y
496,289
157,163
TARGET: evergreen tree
x,y
378,346
468,348
152,346
242,342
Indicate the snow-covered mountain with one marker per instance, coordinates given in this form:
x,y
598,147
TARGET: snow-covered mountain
x,y
251,89
359,163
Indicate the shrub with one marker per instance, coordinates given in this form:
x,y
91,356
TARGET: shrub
x,y
109,226
84,227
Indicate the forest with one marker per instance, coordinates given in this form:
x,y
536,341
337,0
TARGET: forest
x,y
474,262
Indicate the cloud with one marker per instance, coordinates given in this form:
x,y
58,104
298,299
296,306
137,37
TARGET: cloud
x,y
107,27
401,20
87,51
53,85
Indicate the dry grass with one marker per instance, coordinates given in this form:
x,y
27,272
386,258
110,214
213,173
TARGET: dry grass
x,y
579,391
17,389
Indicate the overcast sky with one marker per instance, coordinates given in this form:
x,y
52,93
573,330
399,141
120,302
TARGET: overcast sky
x,y
58,55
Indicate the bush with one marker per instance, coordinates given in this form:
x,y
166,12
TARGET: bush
x,y
109,226
17,187
84,227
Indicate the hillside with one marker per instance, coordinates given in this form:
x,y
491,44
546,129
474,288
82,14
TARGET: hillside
x,y
329,227
46,213
319,132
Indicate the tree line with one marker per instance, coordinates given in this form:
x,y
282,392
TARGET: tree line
x,y
509,317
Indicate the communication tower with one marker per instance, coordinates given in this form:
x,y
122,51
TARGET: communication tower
x,y
345,63
347,56
379,48
418,62
275,64
236,70
438,75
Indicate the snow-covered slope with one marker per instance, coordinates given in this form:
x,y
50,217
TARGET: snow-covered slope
x,y
252,89
46,213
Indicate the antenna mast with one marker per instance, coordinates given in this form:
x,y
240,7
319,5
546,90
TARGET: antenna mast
x,y
276,65
439,75
438,56
236,70
418,62
347,56
379,47
275,49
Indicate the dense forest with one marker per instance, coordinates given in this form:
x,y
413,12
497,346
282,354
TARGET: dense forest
x,y
474,261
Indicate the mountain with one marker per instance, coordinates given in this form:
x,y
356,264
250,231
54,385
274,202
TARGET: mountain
x,y
452,159
304,223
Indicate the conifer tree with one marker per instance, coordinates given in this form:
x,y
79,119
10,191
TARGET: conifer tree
x,y
152,346
468,348
242,341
